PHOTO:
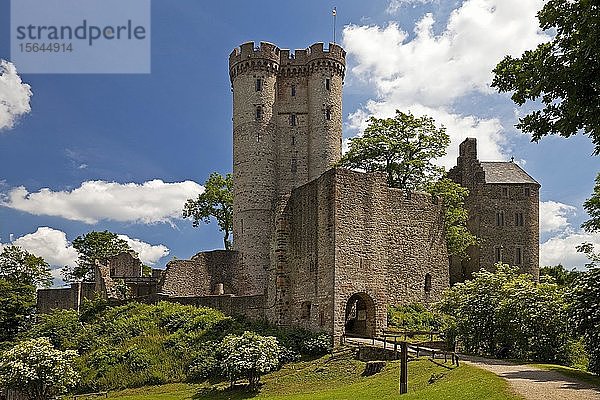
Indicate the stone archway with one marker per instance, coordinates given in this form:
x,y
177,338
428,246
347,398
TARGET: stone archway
x,y
360,316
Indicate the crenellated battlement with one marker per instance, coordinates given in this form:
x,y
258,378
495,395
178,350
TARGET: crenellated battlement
x,y
269,57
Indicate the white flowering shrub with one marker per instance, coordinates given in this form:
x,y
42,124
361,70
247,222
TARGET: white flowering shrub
x,y
249,355
38,370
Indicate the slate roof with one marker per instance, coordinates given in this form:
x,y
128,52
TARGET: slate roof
x,y
505,172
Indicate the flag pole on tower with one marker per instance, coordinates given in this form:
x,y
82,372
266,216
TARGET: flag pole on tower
x,y
334,13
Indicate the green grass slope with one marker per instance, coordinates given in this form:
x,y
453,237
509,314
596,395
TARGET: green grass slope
x,y
342,378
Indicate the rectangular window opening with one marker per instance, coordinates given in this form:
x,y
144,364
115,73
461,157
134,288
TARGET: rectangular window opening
x,y
500,218
328,114
258,84
259,113
498,254
328,84
293,120
518,256
293,90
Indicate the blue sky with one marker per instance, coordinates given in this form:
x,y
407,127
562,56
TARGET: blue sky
x,y
123,152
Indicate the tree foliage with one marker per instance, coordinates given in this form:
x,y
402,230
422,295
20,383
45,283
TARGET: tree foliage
x,y
35,368
559,275
458,237
92,246
216,201
507,314
403,147
20,266
592,207
585,309
17,309
564,74
249,355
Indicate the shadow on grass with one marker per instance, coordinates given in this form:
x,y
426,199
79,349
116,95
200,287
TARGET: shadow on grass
x,y
226,393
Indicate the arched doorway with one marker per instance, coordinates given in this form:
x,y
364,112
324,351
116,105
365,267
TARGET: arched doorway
x,y
360,315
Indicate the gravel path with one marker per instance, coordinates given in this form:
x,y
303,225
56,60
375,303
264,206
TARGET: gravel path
x,y
537,384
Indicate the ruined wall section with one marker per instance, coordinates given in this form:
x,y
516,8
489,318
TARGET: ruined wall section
x,y
201,275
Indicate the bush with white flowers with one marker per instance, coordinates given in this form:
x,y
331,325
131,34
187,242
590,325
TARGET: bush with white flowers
x,y
37,369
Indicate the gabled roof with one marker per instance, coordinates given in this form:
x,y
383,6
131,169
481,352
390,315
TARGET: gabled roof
x,y
505,172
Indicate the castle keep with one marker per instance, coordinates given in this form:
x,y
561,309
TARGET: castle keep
x,y
325,248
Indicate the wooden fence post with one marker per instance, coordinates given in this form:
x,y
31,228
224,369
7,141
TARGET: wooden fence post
x,y
404,369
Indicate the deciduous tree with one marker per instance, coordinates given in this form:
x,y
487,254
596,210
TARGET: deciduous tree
x,y
20,266
92,246
564,73
217,202
403,147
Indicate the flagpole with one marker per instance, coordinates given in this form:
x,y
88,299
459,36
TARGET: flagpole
x,y
334,17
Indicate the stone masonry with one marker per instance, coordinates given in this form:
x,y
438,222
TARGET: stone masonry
x,y
503,206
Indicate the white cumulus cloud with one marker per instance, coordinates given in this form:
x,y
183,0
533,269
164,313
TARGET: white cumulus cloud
x,y
561,249
554,216
93,201
14,95
428,72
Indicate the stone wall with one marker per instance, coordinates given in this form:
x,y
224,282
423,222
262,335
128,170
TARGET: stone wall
x,y
347,235
200,275
124,265
69,298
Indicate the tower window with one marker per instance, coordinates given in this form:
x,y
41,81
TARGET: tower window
x,y
498,253
328,113
427,283
305,310
527,192
258,86
500,218
293,120
518,256
519,219
504,192
293,90
259,113
294,165
328,84
293,140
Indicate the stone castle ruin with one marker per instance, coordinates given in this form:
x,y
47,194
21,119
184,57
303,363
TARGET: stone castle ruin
x,y
324,248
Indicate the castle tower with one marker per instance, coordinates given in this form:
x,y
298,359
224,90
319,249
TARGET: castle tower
x,y
287,130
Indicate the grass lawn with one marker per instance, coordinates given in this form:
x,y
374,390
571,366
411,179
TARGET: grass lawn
x,y
572,373
342,379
